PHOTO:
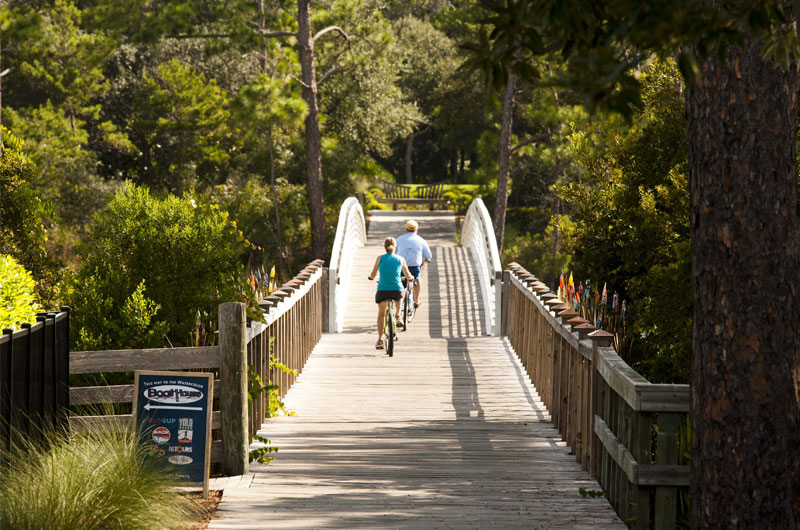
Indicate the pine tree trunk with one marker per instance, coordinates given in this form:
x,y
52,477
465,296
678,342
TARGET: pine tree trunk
x,y
409,154
313,142
504,161
460,174
745,269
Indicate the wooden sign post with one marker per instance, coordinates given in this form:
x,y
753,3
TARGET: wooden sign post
x,y
172,416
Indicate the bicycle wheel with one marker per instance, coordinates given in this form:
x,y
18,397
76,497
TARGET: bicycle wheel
x,y
411,310
389,331
406,317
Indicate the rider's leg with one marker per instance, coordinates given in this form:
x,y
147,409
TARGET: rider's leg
x,y
381,316
417,288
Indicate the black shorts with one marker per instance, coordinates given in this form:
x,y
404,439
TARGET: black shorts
x,y
382,296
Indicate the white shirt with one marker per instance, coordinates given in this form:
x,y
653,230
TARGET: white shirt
x,y
413,249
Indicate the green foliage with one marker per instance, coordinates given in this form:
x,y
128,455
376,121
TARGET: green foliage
x,y
632,219
24,215
152,264
66,62
275,406
67,173
91,481
589,35
17,300
371,200
184,119
538,250
133,325
22,232
253,206
459,198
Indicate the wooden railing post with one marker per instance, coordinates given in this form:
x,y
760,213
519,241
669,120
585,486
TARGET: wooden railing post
x,y
642,432
325,303
233,377
666,454
600,339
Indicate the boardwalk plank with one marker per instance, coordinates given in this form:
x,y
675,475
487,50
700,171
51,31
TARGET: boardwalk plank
x,y
449,433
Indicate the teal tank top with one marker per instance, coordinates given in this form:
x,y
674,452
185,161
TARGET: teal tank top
x,y
390,269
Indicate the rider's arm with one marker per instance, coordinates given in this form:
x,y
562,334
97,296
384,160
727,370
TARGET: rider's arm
x,y
374,268
409,277
426,254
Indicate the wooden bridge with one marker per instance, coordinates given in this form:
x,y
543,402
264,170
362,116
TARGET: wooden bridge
x,y
501,407
449,433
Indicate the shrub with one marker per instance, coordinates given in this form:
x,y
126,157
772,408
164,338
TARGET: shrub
x,y
458,197
93,481
149,266
17,300
24,215
371,197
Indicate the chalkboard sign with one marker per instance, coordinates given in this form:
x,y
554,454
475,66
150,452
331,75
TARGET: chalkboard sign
x,y
172,415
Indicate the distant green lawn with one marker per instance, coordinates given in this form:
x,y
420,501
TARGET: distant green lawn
x,y
465,188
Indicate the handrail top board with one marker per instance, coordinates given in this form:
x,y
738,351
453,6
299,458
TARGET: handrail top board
x,y
89,362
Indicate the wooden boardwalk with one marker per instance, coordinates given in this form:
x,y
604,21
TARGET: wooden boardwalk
x,y
449,433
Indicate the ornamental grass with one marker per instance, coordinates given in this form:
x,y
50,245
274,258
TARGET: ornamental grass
x,y
98,480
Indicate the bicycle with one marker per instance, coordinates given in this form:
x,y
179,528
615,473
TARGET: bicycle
x,y
389,330
408,304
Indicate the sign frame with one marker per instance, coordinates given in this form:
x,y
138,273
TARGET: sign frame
x,y
208,399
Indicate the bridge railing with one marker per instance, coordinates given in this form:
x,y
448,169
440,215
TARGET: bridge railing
x,y
293,325
477,235
622,428
351,233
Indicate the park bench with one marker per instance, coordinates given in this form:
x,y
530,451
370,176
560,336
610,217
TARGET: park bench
x,y
395,194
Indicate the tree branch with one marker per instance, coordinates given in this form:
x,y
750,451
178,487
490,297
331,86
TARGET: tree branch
x,y
336,65
329,73
337,29
531,140
274,34
200,36
423,131
303,84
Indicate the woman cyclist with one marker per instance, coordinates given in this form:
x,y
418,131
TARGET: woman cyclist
x,y
390,288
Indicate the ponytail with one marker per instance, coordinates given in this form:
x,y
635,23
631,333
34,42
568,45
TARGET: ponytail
x,y
389,244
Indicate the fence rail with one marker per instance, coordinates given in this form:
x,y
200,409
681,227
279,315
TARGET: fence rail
x,y
293,325
34,378
351,233
477,235
622,428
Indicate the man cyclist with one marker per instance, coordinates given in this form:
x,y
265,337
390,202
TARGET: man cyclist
x,y
414,249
